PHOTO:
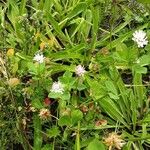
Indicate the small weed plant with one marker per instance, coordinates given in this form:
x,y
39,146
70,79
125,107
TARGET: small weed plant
x,y
74,74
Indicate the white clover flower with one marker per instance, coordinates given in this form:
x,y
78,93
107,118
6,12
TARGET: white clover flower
x,y
44,113
79,70
140,38
57,87
39,58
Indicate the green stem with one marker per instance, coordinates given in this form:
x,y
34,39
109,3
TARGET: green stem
x,y
53,144
78,137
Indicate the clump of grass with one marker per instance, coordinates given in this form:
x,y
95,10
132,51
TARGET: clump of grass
x,y
74,74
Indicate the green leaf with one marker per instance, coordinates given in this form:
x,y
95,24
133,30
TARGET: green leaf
x,y
139,69
89,2
22,7
86,27
80,24
37,133
65,55
21,56
128,146
56,26
47,5
47,147
65,96
115,76
144,60
53,131
57,5
70,53
113,96
41,68
77,10
54,95
113,93
111,87
146,118
97,91
32,68
133,103
64,121
67,79
15,68
96,20
125,54
96,145
76,115
120,39
81,86
37,104
112,110
139,91
144,1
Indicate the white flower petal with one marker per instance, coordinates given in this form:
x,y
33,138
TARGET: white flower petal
x,y
39,58
140,38
57,87
79,70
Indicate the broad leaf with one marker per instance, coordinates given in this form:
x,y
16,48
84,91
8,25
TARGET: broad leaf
x,y
76,115
64,121
96,145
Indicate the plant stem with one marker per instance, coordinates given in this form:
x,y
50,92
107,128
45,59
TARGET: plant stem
x,y
78,137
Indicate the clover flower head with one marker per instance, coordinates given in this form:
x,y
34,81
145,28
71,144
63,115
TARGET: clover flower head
x,y
114,140
44,113
79,70
57,87
39,58
140,38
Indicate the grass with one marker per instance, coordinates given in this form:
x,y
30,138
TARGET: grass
x,y
71,75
